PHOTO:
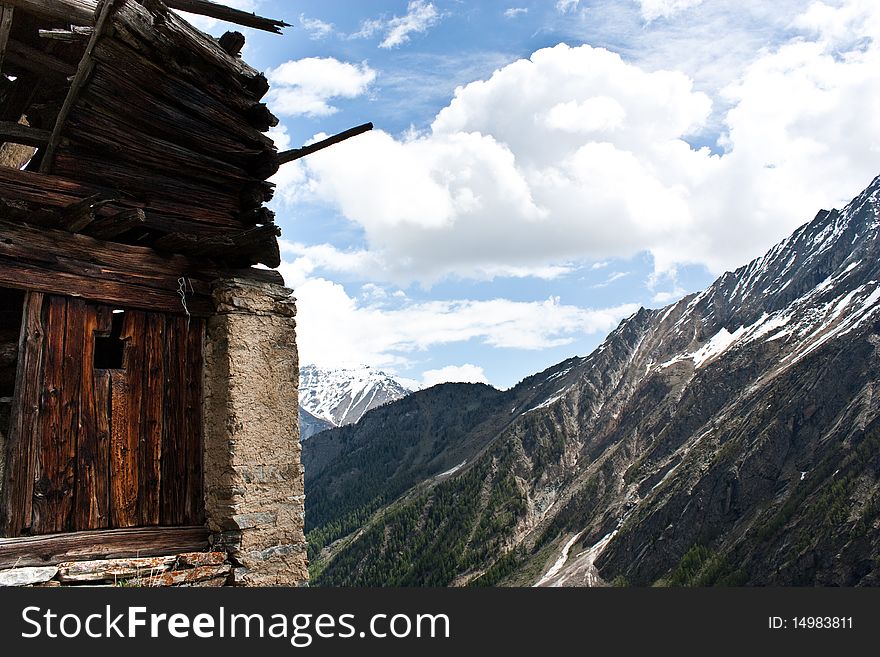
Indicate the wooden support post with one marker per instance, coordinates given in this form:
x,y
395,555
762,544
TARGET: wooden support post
x,y
21,449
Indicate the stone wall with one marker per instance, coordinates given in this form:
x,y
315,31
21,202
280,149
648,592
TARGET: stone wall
x,y
253,477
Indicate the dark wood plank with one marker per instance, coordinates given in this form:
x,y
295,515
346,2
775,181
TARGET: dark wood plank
x,y
103,474
70,396
56,261
91,509
80,214
100,259
37,61
173,446
51,485
138,264
105,544
123,455
22,442
107,228
153,422
17,133
258,244
134,335
194,505
80,12
21,276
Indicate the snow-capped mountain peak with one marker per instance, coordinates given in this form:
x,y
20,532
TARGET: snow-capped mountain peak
x,y
341,396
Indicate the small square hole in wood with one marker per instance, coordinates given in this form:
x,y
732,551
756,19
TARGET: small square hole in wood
x,y
110,349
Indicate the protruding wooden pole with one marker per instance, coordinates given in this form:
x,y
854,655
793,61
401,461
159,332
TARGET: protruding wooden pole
x,y
297,153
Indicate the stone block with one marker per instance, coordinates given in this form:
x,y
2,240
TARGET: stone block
x,y
27,576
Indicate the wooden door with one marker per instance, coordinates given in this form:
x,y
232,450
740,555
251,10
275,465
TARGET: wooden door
x,y
106,425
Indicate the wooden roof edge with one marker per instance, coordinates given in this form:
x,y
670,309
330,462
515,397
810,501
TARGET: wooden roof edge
x,y
82,12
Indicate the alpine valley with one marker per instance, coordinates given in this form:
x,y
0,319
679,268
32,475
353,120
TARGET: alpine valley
x,y
732,438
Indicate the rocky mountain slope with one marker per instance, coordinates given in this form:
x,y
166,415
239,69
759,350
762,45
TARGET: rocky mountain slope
x,y
338,397
730,438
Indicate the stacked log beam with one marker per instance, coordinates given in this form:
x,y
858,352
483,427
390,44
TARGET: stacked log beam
x,y
168,122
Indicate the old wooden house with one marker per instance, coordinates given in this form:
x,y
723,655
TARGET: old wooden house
x,y
148,374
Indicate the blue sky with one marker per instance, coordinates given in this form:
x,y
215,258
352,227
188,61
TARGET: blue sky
x,y
539,170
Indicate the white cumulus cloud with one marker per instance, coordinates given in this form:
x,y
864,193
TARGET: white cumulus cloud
x,y
513,12
305,87
466,373
566,6
420,16
335,328
316,28
575,155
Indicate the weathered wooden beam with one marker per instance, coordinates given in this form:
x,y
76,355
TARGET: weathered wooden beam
x,y
83,71
107,228
6,15
37,61
255,246
71,279
79,215
74,35
78,12
297,153
162,192
17,133
67,204
56,262
101,544
228,14
82,12
21,452
52,191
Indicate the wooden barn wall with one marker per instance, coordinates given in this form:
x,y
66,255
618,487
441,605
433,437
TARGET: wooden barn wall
x,y
104,449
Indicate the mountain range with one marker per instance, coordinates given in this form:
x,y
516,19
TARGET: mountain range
x,y
337,397
731,438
